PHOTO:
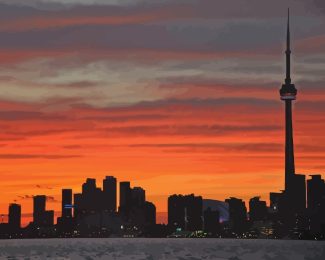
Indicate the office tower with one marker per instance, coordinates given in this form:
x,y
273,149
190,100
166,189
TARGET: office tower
x,y
14,216
275,198
109,193
92,197
89,186
136,210
237,215
316,204
78,207
298,193
125,193
211,220
185,212
138,196
315,192
39,209
257,209
66,203
150,213
41,216
125,199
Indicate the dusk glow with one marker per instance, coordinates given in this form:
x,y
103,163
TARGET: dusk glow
x,y
177,97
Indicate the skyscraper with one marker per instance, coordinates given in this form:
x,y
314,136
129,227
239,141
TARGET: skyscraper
x,y
316,203
39,209
257,209
109,190
288,93
92,197
185,212
14,216
211,220
237,215
138,196
316,192
125,199
40,215
66,203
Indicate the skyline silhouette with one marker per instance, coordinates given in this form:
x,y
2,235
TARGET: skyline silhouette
x,y
180,129
297,212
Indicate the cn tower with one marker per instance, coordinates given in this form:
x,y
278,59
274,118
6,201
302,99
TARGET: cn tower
x,y
288,93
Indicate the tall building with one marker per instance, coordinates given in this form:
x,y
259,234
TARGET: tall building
x,y
14,216
67,203
138,196
211,220
39,209
257,209
89,186
315,192
125,199
109,193
150,213
41,216
92,197
237,215
316,204
185,212
78,205
275,198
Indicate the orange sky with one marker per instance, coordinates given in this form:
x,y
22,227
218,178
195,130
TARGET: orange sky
x,y
169,96
215,151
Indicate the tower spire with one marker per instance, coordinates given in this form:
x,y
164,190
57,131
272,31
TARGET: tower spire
x,y
288,52
288,31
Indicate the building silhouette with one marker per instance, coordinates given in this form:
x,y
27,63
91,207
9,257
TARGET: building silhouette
x,y
257,209
39,209
316,204
211,219
185,212
66,203
125,199
237,215
138,196
66,223
150,213
14,218
109,193
290,204
41,216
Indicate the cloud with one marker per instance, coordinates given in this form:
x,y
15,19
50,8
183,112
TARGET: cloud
x,y
37,156
25,197
185,130
27,115
43,187
52,199
30,197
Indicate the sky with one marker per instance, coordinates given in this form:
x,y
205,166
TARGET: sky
x,y
176,96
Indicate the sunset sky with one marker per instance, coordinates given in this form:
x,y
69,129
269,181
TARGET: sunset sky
x,y
176,96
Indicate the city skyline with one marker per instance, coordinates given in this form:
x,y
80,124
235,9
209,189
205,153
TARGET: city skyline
x,y
198,117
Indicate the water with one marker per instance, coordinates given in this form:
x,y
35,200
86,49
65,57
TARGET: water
x,y
169,249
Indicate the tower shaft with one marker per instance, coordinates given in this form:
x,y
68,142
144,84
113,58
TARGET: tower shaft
x,y
289,151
